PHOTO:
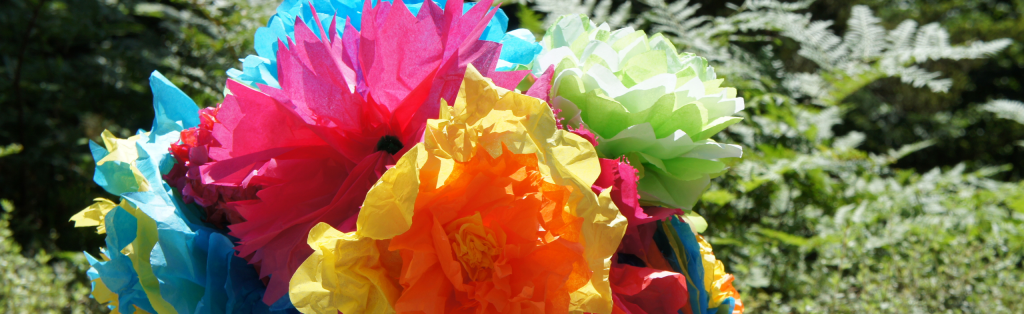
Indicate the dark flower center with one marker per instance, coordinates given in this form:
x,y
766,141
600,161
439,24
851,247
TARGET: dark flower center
x,y
389,144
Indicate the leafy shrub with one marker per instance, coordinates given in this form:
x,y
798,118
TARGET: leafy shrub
x,y
810,222
41,283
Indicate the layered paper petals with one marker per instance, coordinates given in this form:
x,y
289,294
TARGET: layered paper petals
x,y
639,288
414,157
519,46
644,101
160,258
347,107
501,218
717,282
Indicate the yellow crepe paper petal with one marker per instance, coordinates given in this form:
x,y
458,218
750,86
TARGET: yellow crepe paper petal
x,y
387,210
103,295
93,215
346,273
603,227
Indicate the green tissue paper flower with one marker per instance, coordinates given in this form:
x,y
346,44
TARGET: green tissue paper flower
x,y
644,101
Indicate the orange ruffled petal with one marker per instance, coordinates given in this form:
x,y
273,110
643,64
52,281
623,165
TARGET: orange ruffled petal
x,y
498,233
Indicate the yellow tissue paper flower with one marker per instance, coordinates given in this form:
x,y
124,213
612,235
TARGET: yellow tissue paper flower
x,y
492,211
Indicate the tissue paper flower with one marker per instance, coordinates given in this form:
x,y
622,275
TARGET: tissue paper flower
x,y
519,47
185,175
348,107
159,257
641,279
336,177
491,213
644,101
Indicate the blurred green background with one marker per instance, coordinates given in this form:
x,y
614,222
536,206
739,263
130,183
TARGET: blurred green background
x,y
865,186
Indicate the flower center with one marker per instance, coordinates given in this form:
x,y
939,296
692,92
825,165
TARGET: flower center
x,y
389,144
476,249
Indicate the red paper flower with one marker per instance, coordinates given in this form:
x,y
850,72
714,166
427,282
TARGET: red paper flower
x,y
191,153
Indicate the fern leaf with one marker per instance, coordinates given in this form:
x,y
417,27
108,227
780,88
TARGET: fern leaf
x,y
1006,109
863,34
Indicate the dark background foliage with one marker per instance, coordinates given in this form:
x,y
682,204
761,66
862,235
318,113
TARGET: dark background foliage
x,y
72,68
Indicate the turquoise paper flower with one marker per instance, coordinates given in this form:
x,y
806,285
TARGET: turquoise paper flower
x,y
160,257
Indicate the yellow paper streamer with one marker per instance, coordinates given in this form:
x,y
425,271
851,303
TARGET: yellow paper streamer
x,y
139,251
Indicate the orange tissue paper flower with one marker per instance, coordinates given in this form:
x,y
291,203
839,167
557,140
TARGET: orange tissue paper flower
x,y
492,213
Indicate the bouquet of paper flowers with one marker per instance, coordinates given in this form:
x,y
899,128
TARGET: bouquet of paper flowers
x,y
383,157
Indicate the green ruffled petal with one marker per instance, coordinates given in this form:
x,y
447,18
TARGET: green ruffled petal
x,y
643,100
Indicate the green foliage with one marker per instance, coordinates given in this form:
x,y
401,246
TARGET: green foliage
x,y
42,283
811,221
72,68
961,133
834,229
530,20
599,11
10,150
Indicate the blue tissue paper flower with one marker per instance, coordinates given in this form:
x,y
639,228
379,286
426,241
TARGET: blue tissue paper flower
x,y
160,256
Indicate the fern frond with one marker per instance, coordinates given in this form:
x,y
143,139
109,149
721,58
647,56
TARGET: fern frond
x,y
603,13
868,52
599,12
1006,109
676,18
755,5
977,50
916,76
900,40
863,34
930,41
818,43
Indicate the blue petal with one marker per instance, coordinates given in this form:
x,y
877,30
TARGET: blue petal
x,y
194,264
